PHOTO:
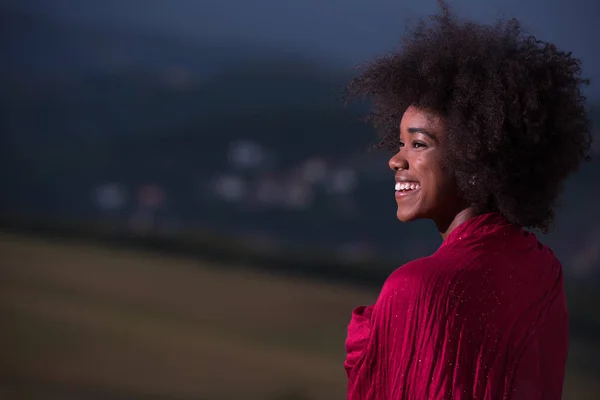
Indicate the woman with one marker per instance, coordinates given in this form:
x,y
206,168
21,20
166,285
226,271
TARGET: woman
x,y
486,124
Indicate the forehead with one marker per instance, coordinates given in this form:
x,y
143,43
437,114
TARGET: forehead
x,y
419,118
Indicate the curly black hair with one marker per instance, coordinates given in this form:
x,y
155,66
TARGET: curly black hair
x,y
513,107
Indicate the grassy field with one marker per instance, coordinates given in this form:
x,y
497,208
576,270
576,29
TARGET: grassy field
x,y
82,321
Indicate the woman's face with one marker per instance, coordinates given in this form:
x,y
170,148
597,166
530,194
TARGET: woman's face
x,y
424,188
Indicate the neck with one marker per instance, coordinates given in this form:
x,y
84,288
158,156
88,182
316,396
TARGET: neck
x,y
446,227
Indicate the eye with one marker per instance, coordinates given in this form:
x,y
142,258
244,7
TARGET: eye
x,y
401,144
417,145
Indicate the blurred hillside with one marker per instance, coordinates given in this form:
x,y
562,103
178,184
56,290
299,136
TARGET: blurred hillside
x,y
149,132
95,322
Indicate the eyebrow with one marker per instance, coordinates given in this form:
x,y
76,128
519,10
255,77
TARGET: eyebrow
x,y
423,131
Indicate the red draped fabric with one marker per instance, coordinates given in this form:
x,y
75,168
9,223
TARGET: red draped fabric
x,y
484,317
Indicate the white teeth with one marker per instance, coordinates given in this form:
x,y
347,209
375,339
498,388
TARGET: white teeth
x,y
406,186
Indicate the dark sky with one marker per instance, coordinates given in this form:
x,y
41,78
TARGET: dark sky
x,y
346,32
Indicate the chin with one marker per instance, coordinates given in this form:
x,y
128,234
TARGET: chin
x,y
404,216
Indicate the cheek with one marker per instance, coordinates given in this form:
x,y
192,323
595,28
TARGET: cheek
x,y
431,173
438,184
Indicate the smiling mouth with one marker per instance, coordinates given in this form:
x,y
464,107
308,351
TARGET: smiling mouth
x,y
405,188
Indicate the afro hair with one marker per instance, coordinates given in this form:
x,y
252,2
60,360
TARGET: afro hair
x,y
515,114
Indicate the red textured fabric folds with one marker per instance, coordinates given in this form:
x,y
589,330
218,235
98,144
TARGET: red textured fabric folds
x,y
484,318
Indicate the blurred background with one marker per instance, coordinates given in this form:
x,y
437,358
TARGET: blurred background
x,y
188,210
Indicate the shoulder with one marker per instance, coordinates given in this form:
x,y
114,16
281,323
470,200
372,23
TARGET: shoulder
x,y
447,281
476,282
420,281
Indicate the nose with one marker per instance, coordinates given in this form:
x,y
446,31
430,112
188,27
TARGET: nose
x,y
398,162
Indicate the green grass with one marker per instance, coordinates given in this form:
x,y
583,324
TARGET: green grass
x,y
92,322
